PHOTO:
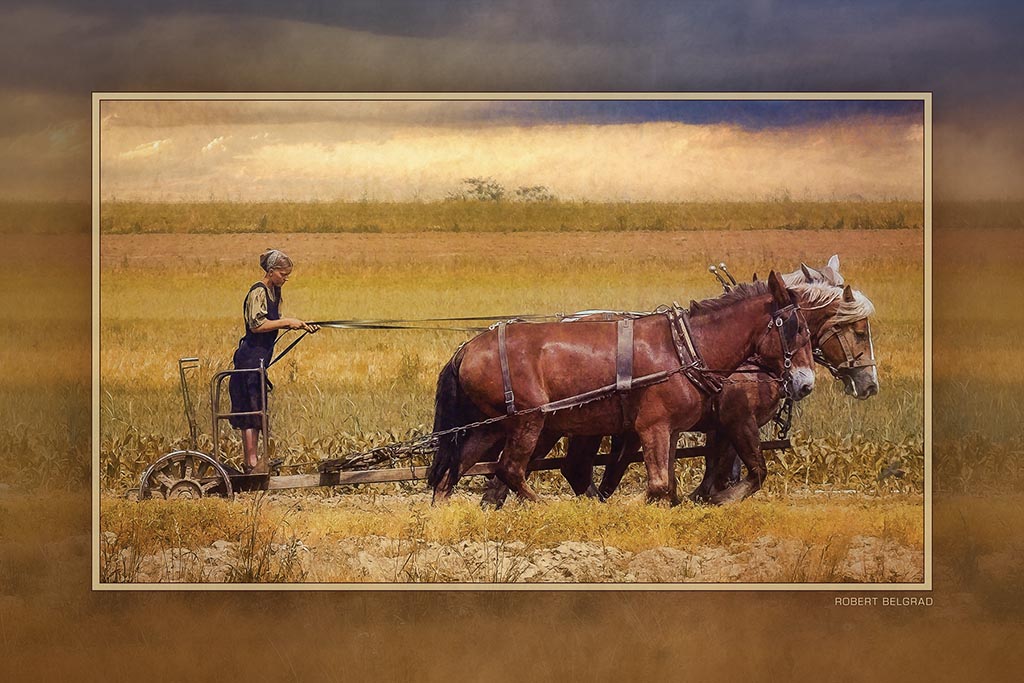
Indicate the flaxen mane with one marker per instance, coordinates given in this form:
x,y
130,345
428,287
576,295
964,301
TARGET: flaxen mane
x,y
822,294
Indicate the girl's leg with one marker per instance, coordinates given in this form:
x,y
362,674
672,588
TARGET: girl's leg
x,y
250,445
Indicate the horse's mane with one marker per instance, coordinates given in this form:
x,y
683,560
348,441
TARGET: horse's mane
x,y
738,293
822,294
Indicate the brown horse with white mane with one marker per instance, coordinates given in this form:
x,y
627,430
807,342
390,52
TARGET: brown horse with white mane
x,y
838,318
551,362
842,343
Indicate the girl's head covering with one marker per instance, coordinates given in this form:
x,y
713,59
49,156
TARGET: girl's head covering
x,y
273,259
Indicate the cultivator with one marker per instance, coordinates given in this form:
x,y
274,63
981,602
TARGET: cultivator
x,y
190,473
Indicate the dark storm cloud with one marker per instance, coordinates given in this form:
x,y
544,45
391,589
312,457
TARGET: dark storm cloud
x,y
970,54
971,48
752,115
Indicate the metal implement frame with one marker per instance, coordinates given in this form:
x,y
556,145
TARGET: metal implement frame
x,y
216,389
185,364
415,473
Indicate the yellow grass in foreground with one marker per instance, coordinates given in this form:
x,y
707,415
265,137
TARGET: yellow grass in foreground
x,y
254,523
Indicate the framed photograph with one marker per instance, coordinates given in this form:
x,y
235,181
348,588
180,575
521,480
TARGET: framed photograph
x,y
516,341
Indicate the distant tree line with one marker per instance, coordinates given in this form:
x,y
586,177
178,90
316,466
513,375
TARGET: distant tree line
x,y
490,190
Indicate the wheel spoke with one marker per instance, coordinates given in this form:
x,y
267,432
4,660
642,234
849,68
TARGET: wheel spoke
x,y
164,479
209,485
187,474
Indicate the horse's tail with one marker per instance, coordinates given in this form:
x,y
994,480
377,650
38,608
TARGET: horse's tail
x,y
452,408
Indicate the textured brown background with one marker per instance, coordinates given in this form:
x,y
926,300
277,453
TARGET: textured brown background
x,y
52,625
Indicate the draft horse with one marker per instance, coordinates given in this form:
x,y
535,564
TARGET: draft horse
x,y
841,336
546,365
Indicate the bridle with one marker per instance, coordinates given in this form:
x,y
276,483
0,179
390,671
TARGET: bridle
x,y
781,318
852,361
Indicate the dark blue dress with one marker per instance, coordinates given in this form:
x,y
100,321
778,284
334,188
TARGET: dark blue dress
x,y
254,347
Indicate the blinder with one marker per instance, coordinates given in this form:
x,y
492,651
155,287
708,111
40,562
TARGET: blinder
x,y
788,322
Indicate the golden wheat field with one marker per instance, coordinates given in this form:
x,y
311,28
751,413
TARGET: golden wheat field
x,y
826,506
166,297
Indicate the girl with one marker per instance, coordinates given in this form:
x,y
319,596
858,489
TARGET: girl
x,y
262,313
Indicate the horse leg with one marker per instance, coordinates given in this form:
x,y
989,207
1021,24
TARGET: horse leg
x,y
713,447
624,446
477,444
578,468
519,448
725,474
497,492
660,464
745,438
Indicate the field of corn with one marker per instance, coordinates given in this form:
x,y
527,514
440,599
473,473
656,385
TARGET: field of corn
x,y
171,296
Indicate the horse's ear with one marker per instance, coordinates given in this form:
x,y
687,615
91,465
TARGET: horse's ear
x,y
831,271
754,279
778,289
832,276
848,294
810,274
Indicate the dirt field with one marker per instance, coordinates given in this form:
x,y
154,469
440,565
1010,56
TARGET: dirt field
x,y
399,249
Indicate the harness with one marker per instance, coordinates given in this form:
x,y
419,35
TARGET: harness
x,y
691,363
783,418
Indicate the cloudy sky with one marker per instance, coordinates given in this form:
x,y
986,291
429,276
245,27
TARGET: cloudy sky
x,y
586,150
56,52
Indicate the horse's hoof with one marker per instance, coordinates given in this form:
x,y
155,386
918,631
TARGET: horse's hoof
x,y
488,503
732,495
593,492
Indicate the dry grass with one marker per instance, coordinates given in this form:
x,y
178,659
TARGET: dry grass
x,y
627,524
121,217
47,607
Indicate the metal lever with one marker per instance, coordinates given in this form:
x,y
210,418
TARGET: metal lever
x,y
725,283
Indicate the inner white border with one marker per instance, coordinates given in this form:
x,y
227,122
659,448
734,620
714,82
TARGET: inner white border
x,y
924,97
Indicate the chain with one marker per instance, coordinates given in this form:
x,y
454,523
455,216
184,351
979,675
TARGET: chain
x,y
784,418
407,450
427,443
755,380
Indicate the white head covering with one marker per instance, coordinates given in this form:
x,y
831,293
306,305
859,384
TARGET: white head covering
x,y
274,258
